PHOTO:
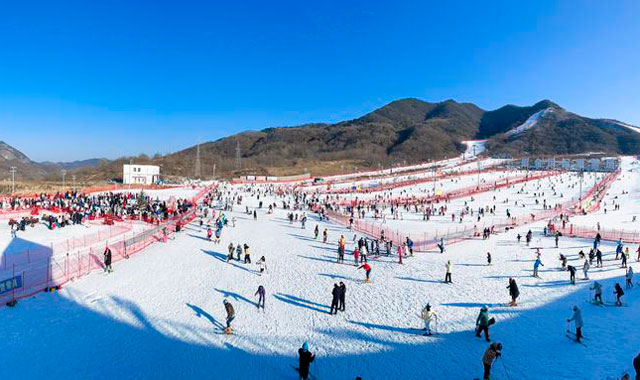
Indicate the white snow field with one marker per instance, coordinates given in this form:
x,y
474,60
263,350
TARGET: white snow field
x,y
159,314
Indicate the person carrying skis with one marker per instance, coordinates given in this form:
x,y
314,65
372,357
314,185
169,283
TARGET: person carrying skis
x,y
367,270
343,294
231,315
577,320
514,292
305,357
261,296
572,273
427,316
619,293
493,351
536,265
447,275
107,260
629,278
597,288
483,322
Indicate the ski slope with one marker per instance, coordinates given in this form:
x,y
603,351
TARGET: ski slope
x,y
159,315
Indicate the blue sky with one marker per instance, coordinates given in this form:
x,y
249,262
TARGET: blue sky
x,y
82,79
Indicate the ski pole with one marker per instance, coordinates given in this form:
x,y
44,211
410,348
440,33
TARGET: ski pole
x,y
504,366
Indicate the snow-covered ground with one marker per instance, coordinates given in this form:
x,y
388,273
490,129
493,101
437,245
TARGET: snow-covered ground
x,y
159,315
164,194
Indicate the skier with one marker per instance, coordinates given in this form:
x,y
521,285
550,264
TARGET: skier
x,y
239,251
492,352
410,246
447,275
618,249
624,259
343,294
599,258
528,237
107,260
483,322
427,315
367,271
261,296
619,293
536,265
563,262
262,264
572,273
513,291
577,320
304,361
585,269
629,277
231,315
325,235
597,288
519,237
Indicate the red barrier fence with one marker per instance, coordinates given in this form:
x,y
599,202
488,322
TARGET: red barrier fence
x,y
26,279
573,230
455,234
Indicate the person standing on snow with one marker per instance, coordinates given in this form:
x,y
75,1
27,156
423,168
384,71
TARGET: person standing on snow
x,y
585,269
247,254
597,299
619,293
447,275
572,273
261,293
536,265
305,357
343,294
492,352
231,315
107,260
262,265
629,278
513,291
577,320
483,322
335,299
316,231
427,316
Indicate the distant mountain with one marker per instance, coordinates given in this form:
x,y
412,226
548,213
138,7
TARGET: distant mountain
x,y
405,130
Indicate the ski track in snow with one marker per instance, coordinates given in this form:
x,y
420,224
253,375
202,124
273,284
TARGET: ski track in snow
x,y
159,314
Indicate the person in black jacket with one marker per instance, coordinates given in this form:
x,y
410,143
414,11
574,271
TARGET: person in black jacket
x,y
636,366
304,361
513,291
336,298
343,292
107,260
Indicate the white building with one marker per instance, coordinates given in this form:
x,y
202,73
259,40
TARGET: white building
x,y
140,174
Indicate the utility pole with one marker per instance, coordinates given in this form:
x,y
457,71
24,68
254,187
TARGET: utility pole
x,y
214,171
73,178
238,156
581,176
13,179
64,173
197,171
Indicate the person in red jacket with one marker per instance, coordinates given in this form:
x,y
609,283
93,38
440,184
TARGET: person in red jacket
x,y
209,233
367,270
356,255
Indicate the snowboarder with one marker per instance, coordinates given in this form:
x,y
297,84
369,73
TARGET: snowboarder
x,y
304,361
597,288
261,296
367,271
343,294
619,293
536,265
629,278
427,316
492,352
107,260
483,322
513,291
231,315
577,320
447,275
